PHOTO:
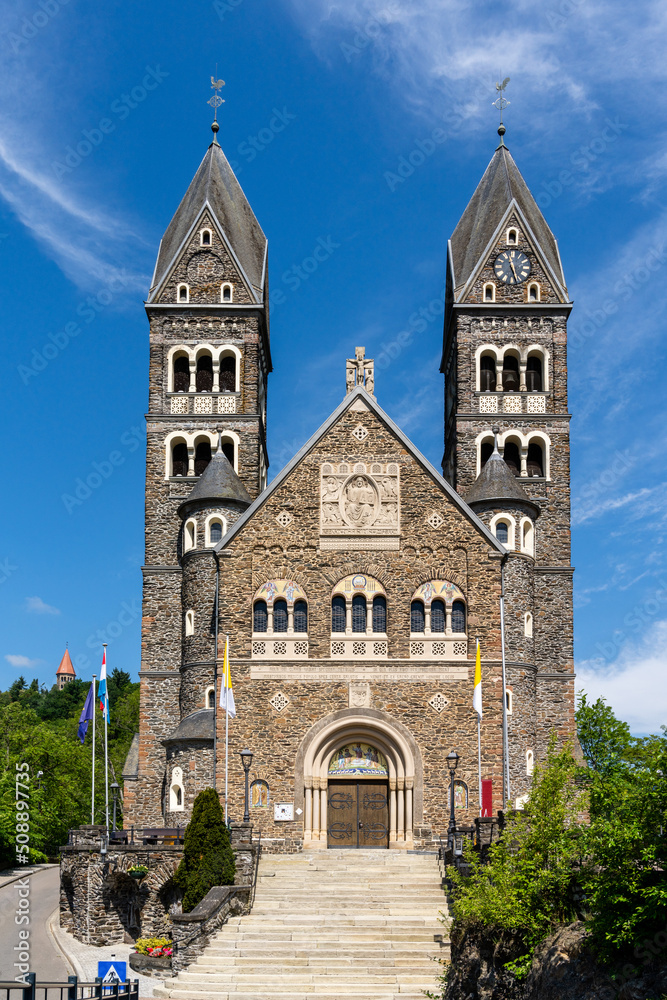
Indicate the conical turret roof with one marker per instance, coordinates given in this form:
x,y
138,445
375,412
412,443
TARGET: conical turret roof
x,y
217,482
215,185
501,184
496,482
66,666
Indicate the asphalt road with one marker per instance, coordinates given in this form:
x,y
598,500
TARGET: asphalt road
x,y
45,959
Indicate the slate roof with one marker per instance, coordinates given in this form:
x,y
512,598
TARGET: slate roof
x,y
359,393
501,184
66,665
497,482
218,481
215,184
196,726
131,765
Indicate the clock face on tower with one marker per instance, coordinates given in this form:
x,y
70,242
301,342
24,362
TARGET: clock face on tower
x,y
512,267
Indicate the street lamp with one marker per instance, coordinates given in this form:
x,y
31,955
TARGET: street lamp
x,y
246,760
114,791
452,763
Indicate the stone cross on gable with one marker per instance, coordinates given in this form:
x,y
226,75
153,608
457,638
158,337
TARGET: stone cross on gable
x,y
360,370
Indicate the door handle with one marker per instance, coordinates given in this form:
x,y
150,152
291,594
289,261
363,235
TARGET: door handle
x,y
360,825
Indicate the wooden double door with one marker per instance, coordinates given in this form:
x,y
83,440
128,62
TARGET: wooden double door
x,y
358,814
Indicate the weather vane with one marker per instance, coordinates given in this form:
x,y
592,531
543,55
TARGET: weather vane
x,y
216,100
501,103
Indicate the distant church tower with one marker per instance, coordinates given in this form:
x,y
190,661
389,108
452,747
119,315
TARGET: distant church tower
x,y
65,672
505,366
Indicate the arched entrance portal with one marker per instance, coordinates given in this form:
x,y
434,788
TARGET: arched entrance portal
x,y
359,767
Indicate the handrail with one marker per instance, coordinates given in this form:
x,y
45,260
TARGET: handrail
x,y
253,889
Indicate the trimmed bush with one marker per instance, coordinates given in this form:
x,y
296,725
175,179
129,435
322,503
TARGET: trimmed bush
x,y
208,859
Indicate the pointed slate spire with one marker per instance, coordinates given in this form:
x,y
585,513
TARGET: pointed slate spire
x,y
497,483
218,482
501,184
215,185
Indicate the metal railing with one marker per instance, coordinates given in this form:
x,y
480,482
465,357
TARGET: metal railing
x,y
141,836
253,889
71,990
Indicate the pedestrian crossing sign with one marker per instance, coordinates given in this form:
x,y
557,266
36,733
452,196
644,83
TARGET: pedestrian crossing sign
x,y
112,972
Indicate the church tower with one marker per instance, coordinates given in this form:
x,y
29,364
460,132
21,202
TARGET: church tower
x,y
206,453
505,366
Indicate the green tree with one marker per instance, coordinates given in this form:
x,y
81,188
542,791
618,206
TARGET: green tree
x,y
208,859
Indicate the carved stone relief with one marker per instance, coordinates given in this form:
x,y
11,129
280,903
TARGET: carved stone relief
x,y
359,501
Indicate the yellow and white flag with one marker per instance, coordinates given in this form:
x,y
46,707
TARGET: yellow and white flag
x,y
477,690
226,691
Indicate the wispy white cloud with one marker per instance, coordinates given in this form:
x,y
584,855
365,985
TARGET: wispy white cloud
x,y
634,683
37,606
17,660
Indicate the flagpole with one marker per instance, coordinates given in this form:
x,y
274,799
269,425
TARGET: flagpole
x,y
479,753
226,730
106,750
92,794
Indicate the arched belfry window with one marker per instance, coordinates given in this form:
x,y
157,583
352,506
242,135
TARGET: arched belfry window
x,y
228,451
533,292
489,292
487,374
228,373
204,377
179,459
512,239
205,237
512,457
202,456
534,379
181,373
359,606
511,379
486,451
535,463
227,292
183,293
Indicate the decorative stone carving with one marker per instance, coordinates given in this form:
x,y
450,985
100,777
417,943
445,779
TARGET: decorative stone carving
x,y
438,702
360,370
360,432
359,693
434,520
279,701
355,504
284,518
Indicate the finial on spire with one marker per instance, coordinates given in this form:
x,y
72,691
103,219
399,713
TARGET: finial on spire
x,y
215,102
501,103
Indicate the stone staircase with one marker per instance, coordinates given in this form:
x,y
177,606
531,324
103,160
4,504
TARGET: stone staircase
x,y
335,923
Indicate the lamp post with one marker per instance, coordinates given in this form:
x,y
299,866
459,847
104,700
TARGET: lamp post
x,y
246,760
114,791
452,763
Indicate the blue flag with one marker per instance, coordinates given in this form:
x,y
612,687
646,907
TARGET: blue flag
x,y
86,714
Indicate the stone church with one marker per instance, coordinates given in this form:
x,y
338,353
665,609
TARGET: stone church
x,y
353,588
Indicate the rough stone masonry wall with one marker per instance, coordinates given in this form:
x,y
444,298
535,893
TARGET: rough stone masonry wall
x,y
455,550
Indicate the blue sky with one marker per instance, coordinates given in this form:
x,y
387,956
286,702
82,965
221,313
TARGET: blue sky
x,y
322,103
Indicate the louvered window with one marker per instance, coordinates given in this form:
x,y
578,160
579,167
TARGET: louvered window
x,y
261,617
358,613
338,614
417,617
379,614
458,616
300,616
280,616
437,616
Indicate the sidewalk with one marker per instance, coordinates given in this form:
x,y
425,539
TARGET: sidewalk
x,y
83,958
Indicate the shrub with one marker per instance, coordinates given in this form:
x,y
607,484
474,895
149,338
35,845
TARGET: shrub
x,y
208,859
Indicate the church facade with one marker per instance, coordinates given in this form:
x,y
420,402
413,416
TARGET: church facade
x,y
352,591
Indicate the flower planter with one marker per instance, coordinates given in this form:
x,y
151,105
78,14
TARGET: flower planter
x,y
138,875
149,966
